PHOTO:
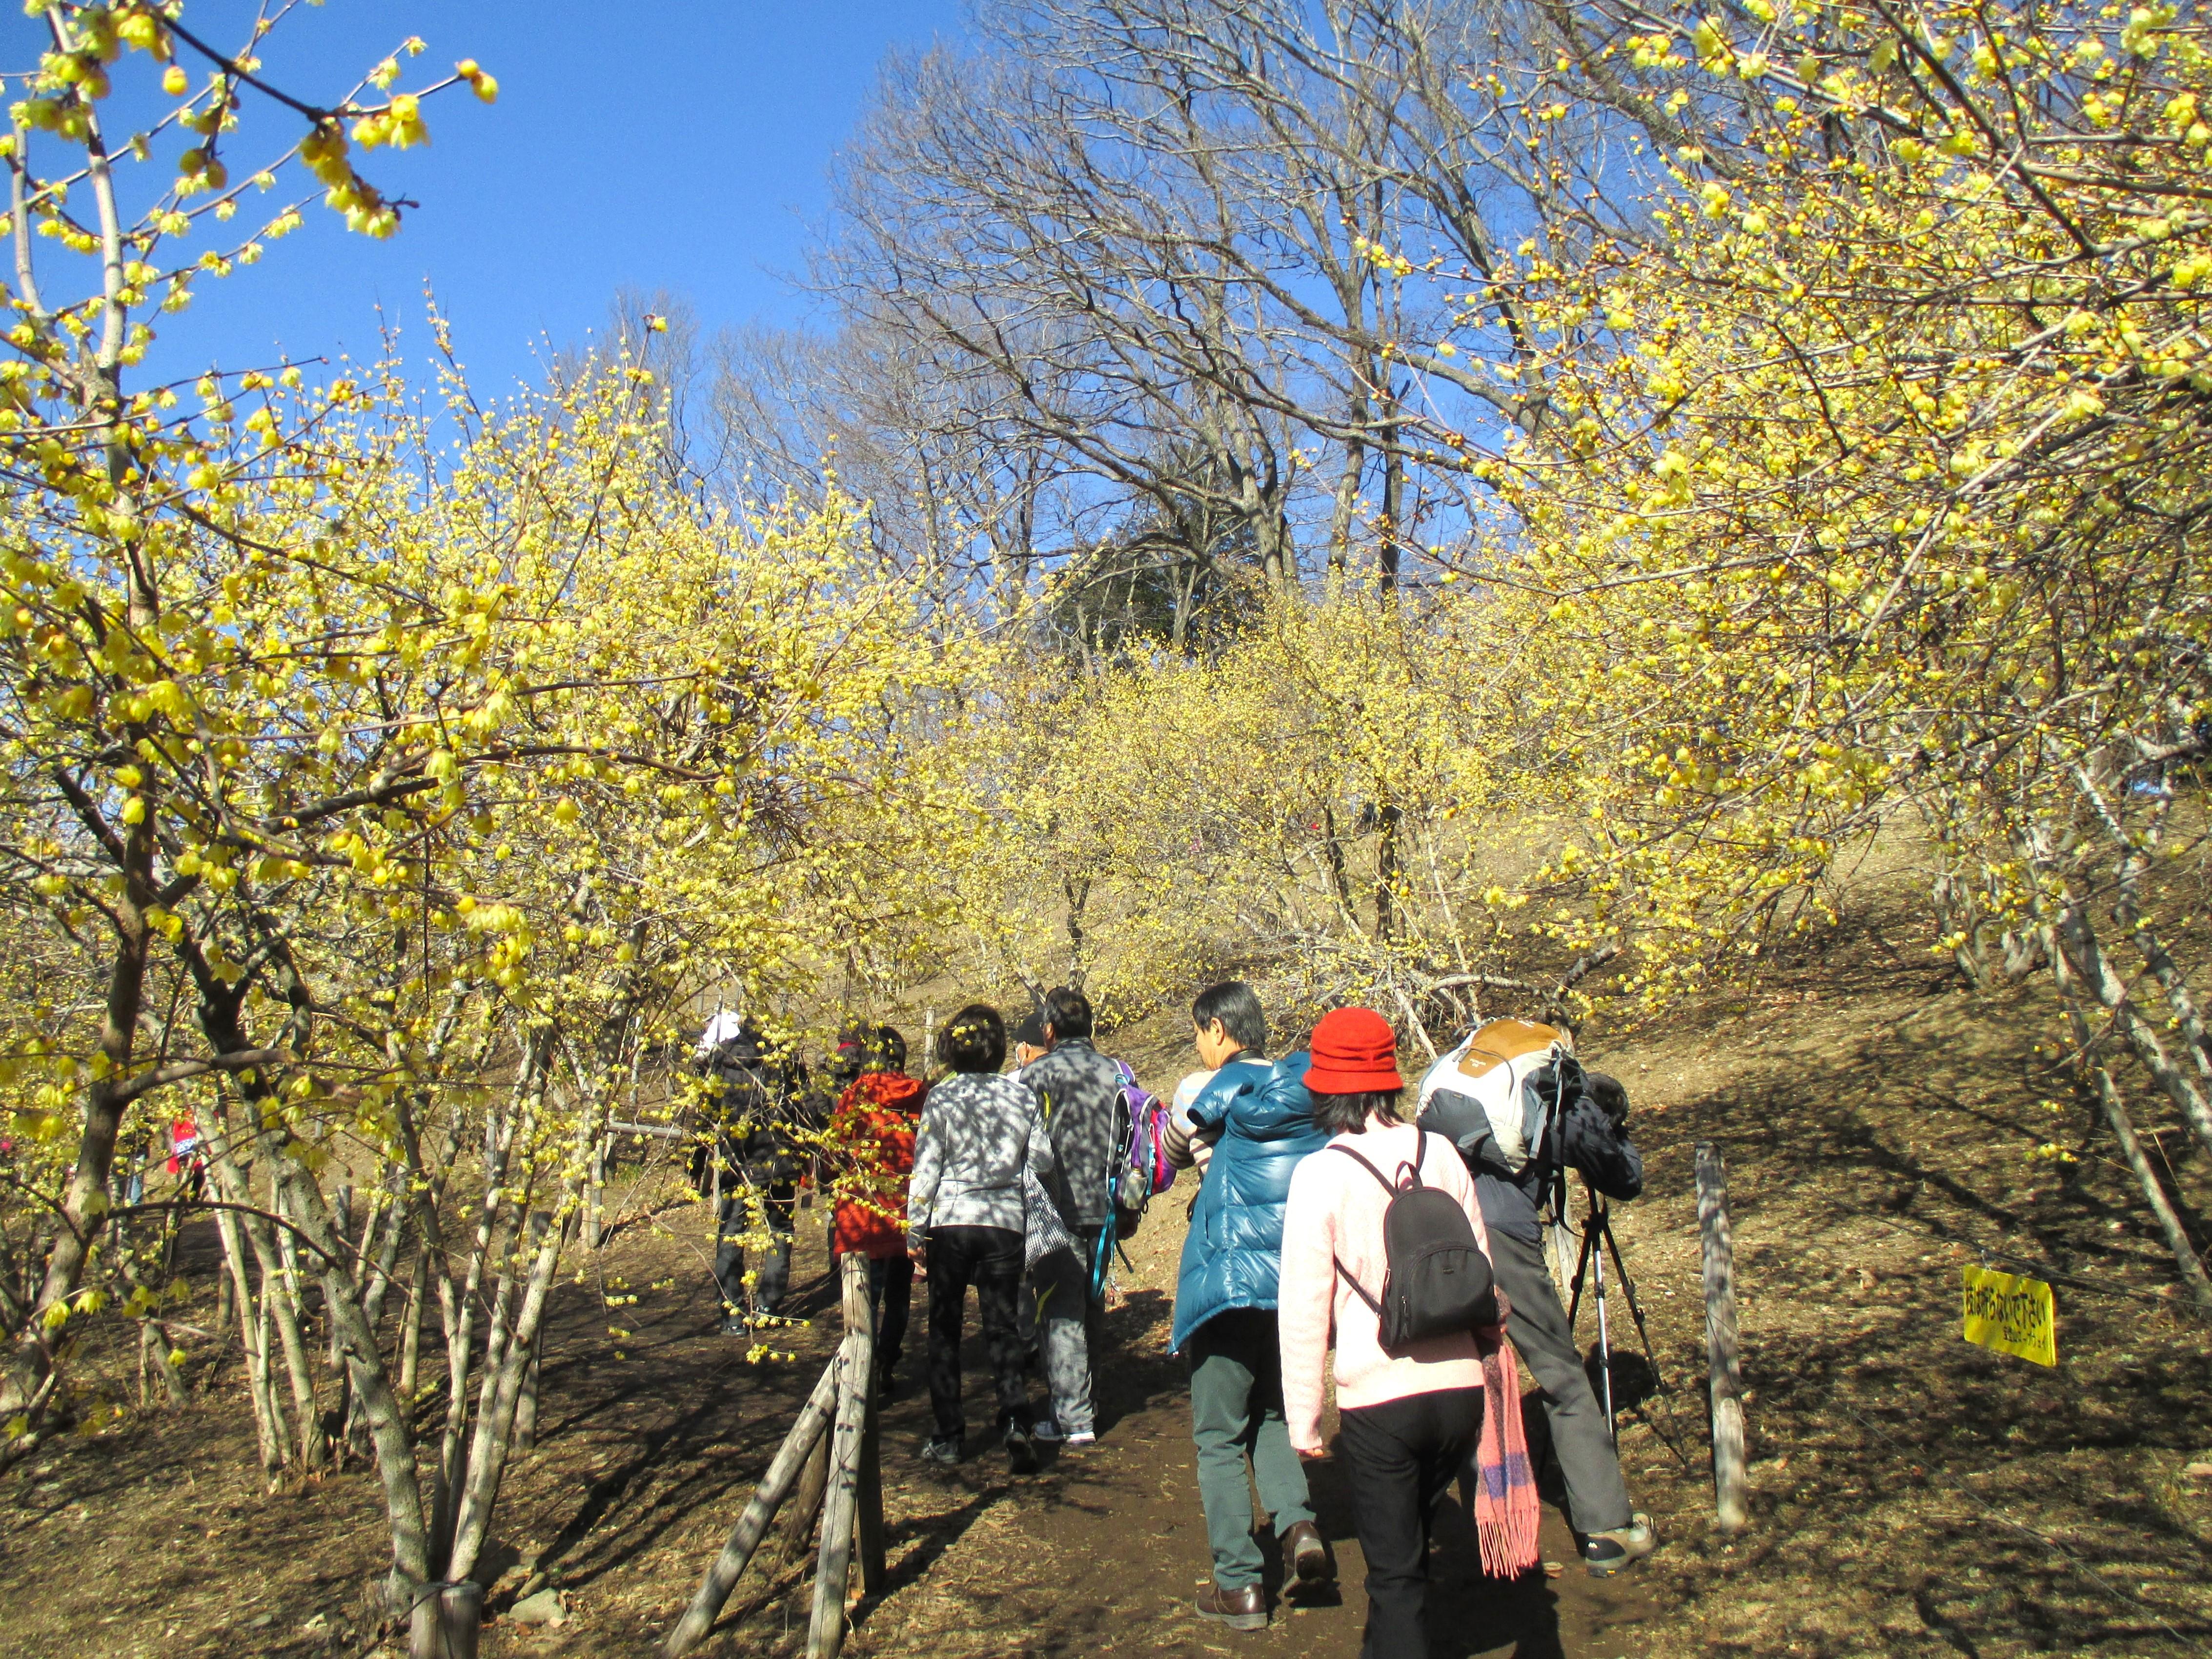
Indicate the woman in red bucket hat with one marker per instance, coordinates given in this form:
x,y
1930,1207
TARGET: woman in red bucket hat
x,y
1407,1416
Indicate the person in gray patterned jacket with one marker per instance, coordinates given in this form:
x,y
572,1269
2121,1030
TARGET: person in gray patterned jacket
x,y
965,1220
1088,1118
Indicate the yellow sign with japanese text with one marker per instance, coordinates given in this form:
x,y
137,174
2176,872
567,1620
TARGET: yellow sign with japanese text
x,y
2013,1314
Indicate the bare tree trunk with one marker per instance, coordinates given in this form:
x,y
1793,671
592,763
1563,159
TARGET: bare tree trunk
x,y
595,1195
1340,879
252,1318
25,1384
387,1426
154,1351
494,1437
2117,1119
1347,494
459,1308
264,1338
525,1408
1389,864
410,1343
1079,894
226,1303
284,1317
1956,914
2128,910
1390,528
2077,941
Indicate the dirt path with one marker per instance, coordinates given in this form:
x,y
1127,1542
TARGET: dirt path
x,y
1101,1552
1913,1497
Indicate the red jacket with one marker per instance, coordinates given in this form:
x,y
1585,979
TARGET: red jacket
x,y
871,1133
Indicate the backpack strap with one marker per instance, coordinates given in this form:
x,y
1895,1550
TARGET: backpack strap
x,y
1338,1146
1420,1150
1343,1272
1357,1289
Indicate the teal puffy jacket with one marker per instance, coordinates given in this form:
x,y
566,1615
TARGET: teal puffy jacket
x,y
1232,1257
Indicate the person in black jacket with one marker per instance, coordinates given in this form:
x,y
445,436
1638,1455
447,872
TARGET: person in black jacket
x,y
756,1106
1589,1134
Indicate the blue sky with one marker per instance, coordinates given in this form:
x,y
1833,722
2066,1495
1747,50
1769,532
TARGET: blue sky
x,y
676,144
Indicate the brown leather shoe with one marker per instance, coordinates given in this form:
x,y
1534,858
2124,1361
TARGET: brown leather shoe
x,y
1305,1557
1239,1609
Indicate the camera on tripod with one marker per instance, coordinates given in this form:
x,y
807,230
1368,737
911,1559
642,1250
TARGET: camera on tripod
x,y
1526,1114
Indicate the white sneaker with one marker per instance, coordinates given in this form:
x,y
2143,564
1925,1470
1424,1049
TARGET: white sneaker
x,y
1046,1432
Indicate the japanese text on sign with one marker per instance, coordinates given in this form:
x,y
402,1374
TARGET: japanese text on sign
x,y
2012,1314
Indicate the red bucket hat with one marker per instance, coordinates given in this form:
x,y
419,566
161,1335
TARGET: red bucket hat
x,y
1354,1052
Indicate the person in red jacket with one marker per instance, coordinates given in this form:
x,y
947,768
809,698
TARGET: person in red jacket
x,y
871,1133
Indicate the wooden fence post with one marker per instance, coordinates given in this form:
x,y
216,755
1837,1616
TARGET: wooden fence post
x,y
1725,1371
874,1572
825,1634
744,1538
803,1511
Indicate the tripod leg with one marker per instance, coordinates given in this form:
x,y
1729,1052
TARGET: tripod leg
x,y
1604,1336
1635,1312
1582,1266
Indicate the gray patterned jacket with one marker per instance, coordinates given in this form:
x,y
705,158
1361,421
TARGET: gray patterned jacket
x,y
978,1132
1089,1122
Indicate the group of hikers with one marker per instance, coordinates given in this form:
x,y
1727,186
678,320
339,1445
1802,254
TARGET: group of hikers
x,y
1414,1255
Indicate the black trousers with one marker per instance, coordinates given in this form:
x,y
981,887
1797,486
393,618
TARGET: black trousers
x,y
891,1289
1403,1456
990,1258
772,1264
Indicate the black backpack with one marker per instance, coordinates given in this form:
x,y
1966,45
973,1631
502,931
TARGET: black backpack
x,y
1438,1281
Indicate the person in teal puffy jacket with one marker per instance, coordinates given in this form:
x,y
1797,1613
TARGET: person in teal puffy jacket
x,y
1258,1118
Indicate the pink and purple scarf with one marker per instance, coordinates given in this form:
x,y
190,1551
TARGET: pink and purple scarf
x,y
1505,1511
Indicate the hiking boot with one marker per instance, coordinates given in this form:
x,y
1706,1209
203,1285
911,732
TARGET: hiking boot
x,y
1305,1557
886,1390
1021,1452
1607,1552
735,1325
1239,1609
943,1450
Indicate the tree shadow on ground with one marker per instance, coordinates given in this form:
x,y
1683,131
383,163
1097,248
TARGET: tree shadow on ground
x,y
1981,1503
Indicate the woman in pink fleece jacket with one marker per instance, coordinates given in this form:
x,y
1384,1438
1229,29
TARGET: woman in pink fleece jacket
x,y
1407,1420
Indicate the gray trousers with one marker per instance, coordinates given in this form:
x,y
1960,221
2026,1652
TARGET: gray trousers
x,y
1059,1288
1596,1499
1237,1415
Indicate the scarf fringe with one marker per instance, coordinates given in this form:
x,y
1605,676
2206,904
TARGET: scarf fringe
x,y
1506,1514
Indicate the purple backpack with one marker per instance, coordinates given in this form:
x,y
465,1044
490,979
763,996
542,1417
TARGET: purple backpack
x,y
1146,1172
